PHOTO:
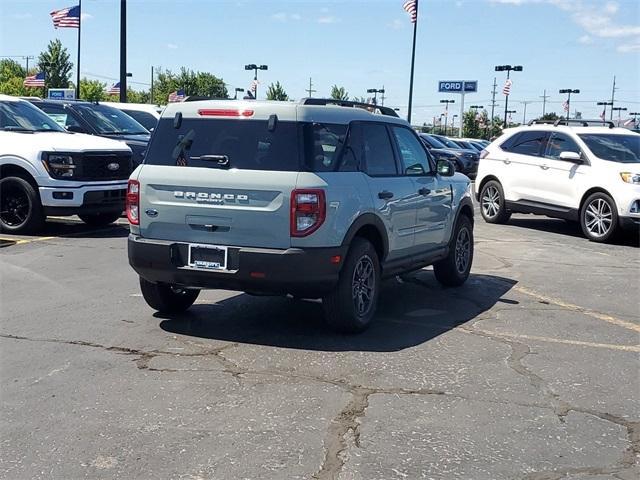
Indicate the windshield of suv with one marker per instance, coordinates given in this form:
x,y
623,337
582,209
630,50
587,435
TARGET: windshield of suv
x,y
615,148
24,117
110,121
222,143
146,119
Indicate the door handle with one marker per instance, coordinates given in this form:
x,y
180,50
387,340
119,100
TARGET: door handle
x,y
385,195
506,162
544,167
424,191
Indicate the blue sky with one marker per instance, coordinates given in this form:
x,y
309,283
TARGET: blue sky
x,y
360,44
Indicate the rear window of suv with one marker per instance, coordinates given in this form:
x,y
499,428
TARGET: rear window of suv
x,y
247,144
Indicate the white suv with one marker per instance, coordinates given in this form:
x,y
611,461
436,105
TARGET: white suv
x,y
582,172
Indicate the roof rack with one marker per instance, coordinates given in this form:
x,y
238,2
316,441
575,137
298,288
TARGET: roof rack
x,y
583,123
347,103
541,122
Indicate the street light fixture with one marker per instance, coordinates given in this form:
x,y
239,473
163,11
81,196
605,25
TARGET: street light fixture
x,y
255,68
375,92
569,92
446,114
508,69
235,97
619,110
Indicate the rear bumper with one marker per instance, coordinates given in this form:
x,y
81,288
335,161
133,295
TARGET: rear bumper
x,y
301,272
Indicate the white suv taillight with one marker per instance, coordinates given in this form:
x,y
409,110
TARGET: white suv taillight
x,y
483,154
133,202
308,211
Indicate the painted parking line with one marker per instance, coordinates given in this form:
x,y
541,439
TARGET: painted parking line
x,y
23,241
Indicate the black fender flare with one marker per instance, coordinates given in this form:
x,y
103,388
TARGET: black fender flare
x,y
362,221
466,201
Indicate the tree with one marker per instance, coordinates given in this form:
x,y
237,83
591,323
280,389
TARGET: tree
x,y
549,116
193,83
276,92
10,69
54,62
12,76
473,123
92,90
339,93
359,99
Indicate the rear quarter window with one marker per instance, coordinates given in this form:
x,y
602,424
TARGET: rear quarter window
x,y
248,144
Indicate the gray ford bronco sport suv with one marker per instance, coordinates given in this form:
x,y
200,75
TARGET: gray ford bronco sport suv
x,y
317,199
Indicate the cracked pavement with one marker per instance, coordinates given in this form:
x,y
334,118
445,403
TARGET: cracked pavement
x,y
529,371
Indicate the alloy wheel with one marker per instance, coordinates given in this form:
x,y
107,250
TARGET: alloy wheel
x,y
462,250
363,285
598,217
491,201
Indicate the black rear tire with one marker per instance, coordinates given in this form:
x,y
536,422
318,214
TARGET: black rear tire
x,y
454,270
492,203
352,305
100,219
167,298
20,207
599,218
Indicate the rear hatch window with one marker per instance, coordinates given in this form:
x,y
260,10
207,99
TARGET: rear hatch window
x,y
216,143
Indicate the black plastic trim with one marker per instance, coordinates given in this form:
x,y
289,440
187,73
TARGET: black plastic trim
x,y
539,208
363,221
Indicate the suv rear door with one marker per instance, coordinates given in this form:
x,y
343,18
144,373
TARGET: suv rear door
x,y
221,181
523,165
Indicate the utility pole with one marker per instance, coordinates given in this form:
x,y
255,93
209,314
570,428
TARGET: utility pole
x,y
524,117
544,97
310,90
493,101
613,96
152,84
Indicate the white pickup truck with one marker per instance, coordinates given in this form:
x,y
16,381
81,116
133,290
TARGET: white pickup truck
x,y
45,170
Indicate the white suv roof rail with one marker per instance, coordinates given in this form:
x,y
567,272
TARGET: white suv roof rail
x,y
348,103
575,121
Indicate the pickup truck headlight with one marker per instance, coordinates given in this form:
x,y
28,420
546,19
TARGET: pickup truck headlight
x,y
629,177
59,166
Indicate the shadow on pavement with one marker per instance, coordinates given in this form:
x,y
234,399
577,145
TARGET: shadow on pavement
x,y
411,311
75,229
572,229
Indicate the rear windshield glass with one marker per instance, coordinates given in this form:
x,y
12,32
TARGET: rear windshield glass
x,y
616,148
243,144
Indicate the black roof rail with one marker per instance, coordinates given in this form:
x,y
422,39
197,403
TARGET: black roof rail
x,y
348,103
541,122
583,123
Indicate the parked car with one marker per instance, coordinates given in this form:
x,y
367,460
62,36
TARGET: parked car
x,y
312,199
466,161
100,120
583,172
145,114
45,170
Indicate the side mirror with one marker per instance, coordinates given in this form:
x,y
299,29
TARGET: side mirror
x,y
75,129
571,157
446,168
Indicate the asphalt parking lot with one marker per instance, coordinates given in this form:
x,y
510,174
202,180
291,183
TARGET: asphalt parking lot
x,y
529,371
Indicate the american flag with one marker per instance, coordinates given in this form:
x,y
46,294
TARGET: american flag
x,y
506,90
177,96
411,7
478,116
36,80
602,115
67,17
254,86
114,90
565,106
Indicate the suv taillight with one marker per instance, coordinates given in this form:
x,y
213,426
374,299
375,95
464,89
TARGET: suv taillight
x,y
483,154
308,211
133,202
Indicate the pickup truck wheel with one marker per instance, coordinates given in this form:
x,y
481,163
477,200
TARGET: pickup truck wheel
x,y
20,207
100,219
352,305
492,204
454,270
167,298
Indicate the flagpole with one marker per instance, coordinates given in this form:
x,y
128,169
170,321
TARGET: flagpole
x,y
413,62
78,69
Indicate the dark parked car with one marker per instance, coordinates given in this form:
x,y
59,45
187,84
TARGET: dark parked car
x,y
465,161
97,119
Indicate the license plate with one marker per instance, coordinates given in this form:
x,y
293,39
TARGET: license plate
x,y
207,257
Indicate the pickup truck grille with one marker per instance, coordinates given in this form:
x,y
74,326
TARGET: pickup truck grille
x,y
102,166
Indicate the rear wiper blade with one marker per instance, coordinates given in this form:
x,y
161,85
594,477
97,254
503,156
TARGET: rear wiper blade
x,y
219,160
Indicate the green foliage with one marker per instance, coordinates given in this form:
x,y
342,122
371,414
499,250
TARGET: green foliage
x,y
359,99
193,83
10,69
134,96
549,116
11,80
276,92
339,93
92,90
54,61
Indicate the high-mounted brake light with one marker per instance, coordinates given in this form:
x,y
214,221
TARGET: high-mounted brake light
x,y
133,202
308,211
221,112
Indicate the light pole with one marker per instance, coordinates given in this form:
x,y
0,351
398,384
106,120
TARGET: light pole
x,y
446,110
255,68
569,92
453,123
508,69
635,117
619,110
441,115
604,111
510,112
375,92
475,109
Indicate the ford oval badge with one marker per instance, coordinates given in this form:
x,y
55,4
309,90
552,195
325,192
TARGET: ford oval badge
x,y
113,166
